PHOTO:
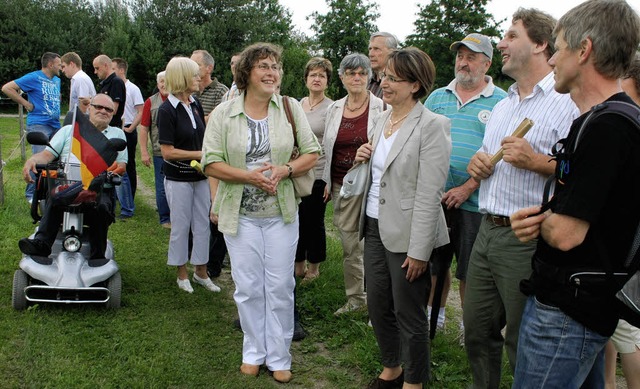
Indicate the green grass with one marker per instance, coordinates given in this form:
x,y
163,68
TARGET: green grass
x,y
165,338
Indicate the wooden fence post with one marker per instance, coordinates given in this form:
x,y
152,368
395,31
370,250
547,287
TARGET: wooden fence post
x,y
23,151
2,165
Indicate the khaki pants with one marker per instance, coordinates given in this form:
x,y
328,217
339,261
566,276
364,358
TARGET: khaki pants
x,y
344,211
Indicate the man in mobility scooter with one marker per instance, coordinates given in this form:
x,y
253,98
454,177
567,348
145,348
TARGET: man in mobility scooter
x,y
89,164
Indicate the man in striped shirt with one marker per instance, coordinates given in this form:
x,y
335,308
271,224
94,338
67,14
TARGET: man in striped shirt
x,y
467,101
499,261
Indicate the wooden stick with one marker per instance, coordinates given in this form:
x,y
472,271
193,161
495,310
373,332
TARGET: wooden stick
x,y
522,129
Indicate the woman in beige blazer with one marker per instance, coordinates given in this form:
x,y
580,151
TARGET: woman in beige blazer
x,y
348,125
402,220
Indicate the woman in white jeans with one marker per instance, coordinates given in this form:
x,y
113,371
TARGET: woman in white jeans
x,y
247,146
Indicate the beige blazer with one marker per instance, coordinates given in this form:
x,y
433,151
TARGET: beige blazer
x,y
410,218
332,125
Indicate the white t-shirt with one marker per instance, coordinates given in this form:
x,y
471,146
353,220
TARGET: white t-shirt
x,y
134,98
81,86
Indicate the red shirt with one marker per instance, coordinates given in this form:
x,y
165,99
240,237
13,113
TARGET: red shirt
x,y
352,134
146,112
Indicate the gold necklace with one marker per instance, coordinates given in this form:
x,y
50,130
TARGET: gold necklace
x,y
311,107
357,109
393,124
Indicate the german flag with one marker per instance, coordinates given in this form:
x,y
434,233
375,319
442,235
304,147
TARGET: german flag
x,y
91,147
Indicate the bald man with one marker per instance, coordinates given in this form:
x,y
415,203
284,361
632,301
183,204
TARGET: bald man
x,y
111,85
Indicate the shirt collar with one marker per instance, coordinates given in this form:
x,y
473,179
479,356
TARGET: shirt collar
x,y
487,91
544,86
175,101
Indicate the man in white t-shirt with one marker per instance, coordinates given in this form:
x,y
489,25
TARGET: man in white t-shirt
x,y
131,118
82,88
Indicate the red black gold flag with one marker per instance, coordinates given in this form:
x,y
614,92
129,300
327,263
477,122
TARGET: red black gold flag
x,y
92,149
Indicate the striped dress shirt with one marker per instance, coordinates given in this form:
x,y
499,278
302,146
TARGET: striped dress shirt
x,y
509,188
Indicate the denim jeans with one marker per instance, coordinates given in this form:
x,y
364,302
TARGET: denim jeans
x,y
125,197
50,132
161,197
555,351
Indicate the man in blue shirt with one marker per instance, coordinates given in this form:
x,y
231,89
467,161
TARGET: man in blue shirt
x,y
467,101
43,105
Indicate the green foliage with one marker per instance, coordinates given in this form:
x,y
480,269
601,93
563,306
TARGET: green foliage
x,y
343,30
442,22
147,33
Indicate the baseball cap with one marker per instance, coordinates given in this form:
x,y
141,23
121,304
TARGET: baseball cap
x,y
475,42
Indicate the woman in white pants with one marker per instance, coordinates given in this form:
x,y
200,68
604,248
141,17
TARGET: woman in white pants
x,y
247,146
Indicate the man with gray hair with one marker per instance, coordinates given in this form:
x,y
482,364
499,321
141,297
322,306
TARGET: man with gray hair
x,y
211,94
380,45
211,91
467,101
585,235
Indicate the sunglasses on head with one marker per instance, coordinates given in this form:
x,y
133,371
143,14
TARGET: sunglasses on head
x,y
99,107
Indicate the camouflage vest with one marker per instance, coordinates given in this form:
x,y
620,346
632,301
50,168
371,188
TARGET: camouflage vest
x,y
156,102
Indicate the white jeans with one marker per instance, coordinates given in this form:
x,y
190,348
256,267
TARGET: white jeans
x,y
262,261
189,204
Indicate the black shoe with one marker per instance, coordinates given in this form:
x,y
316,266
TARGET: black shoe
x,y
237,325
379,383
124,218
213,273
35,247
298,332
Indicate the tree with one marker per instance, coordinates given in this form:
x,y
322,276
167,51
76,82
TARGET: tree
x,y
222,27
29,28
345,29
146,33
442,22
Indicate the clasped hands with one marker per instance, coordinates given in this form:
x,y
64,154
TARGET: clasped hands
x,y
267,177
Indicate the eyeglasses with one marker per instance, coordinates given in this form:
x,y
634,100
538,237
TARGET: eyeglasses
x,y
266,67
101,107
391,78
351,73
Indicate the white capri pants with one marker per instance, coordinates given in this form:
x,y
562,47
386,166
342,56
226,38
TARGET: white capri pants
x,y
626,338
189,204
262,259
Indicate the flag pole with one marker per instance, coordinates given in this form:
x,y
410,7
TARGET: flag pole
x,y
73,125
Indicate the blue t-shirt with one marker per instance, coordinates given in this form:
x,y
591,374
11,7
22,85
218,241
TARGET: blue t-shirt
x,y
44,93
467,130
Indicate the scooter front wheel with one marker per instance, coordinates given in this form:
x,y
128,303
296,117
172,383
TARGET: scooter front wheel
x,y
114,284
18,297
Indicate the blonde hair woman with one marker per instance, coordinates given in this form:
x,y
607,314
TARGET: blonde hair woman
x,y
181,129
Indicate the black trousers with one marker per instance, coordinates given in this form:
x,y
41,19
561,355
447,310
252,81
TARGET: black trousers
x,y
312,240
98,218
217,250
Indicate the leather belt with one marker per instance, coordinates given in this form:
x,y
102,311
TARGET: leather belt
x,y
500,221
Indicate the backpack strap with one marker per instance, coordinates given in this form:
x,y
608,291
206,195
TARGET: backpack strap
x,y
632,114
629,111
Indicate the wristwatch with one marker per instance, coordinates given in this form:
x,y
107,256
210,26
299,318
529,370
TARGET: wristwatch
x,y
290,170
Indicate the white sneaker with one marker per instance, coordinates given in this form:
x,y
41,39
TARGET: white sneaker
x,y
185,285
206,282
